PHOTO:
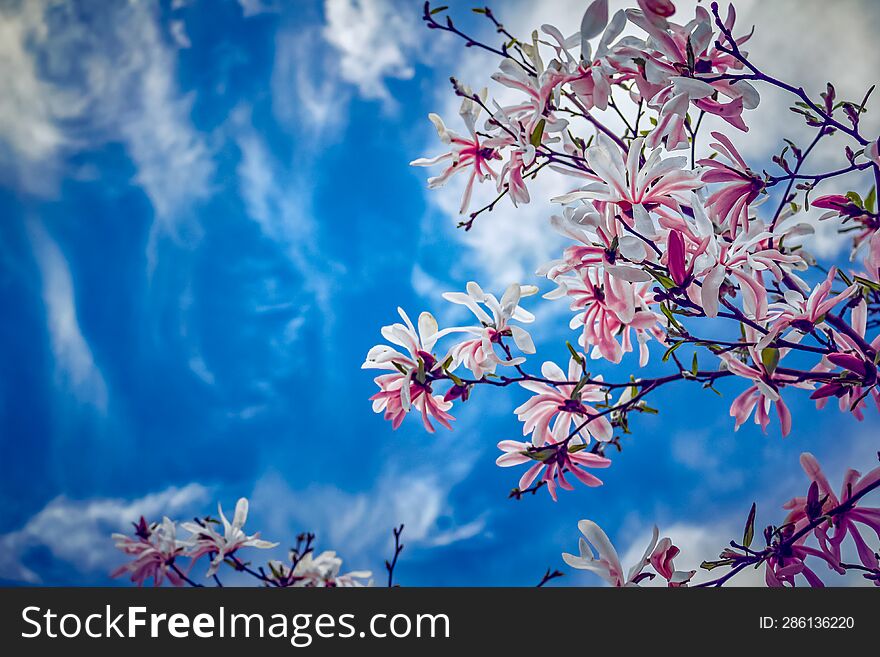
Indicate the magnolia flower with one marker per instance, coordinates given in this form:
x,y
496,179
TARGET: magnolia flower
x,y
539,92
740,186
744,258
860,368
206,540
804,315
597,554
154,549
562,404
658,183
556,458
609,308
767,382
467,154
661,560
780,569
846,523
479,354
511,176
409,383
601,240
319,572
676,56
657,11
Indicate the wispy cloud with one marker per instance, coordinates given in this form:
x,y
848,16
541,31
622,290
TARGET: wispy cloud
x,y
76,80
280,201
77,532
74,362
375,40
358,524
309,99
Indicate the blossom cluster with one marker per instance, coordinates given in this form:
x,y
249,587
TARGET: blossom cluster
x,y
820,515
156,553
664,250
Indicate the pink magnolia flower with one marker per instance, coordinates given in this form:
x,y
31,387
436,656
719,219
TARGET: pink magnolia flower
x,y
205,540
511,175
594,73
661,560
838,202
563,404
804,314
600,240
861,371
468,154
154,549
740,186
610,308
657,184
676,57
479,353
780,569
657,10
538,91
745,259
767,382
554,460
408,385
846,523
597,554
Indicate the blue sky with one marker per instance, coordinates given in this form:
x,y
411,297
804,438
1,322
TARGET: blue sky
x,y
209,214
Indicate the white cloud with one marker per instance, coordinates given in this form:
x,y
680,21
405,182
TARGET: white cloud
x,y
29,108
358,525
78,531
308,95
256,7
280,202
75,364
375,40
75,81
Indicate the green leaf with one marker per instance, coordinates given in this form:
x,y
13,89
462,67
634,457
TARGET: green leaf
x,y
439,9
770,358
671,317
671,349
537,133
575,355
871,199
694,367
661,278
749,532
855,198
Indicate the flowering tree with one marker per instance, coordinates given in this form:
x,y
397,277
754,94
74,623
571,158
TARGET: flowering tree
x,y
665,253
158,554
661,247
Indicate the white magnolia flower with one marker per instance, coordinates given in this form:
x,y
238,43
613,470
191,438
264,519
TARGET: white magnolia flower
x,y
598,555
323,571
478,353
206,540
